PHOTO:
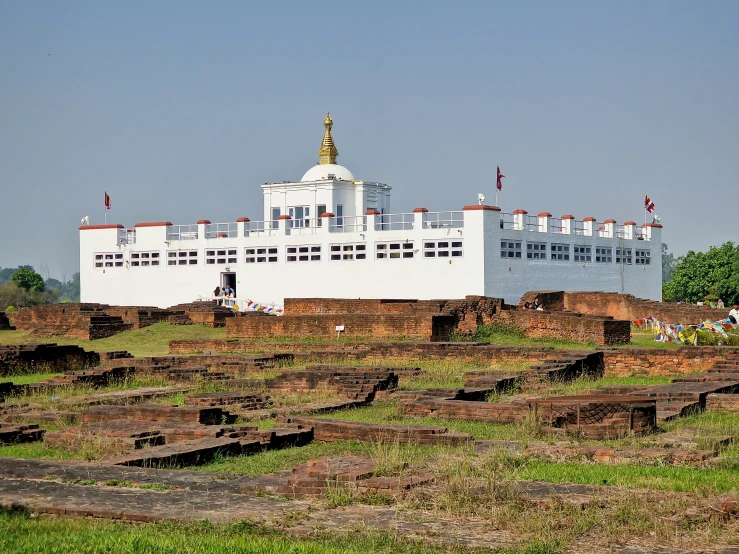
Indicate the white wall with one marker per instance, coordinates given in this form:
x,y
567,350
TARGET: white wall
x,y
480,270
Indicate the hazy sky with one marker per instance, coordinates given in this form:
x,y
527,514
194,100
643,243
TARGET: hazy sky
x,y
180,110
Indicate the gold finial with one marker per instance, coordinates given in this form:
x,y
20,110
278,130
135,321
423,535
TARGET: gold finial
x,y
328,152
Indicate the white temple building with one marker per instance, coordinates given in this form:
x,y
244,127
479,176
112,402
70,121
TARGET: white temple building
x,y
332,235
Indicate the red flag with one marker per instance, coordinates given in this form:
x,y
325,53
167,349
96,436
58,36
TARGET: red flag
x,y
107,201
648,204
500,176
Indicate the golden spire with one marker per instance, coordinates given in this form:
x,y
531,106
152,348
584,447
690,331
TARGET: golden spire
x,y
328,152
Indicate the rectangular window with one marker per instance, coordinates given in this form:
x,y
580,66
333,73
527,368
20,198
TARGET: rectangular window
x,y
582,253
275,215
300,216
536,250
107,259
220,257
348,252
260,255
510,249
603,255
623,255
182,257
643,257
142,259
442,249
560,252
320,210
339,215
394,250
311,253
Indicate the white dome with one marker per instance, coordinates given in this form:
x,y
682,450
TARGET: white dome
x,y
321,172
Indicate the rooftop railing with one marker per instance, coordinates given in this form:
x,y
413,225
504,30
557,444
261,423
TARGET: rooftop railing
x,y
344,224
126,236
221,230
441,220
182,232
303,226
394,222
260,228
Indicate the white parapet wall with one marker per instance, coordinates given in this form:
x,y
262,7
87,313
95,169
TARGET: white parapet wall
x,y
423,255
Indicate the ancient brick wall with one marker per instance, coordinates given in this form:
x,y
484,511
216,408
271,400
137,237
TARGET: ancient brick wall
x,y
573,327
470,311
76,321
663,361
423,327
138,316
45,357
623,306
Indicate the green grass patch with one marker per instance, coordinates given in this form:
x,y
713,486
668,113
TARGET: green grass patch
x,y
36,451
26,379
703,482
20,534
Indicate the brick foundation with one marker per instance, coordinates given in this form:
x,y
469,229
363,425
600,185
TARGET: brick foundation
x,y
75,321
30,358
573,327
622,306
422,327
470,312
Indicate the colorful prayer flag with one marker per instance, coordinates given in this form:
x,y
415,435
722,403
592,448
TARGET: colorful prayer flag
x,y
107,201
500,176
648,204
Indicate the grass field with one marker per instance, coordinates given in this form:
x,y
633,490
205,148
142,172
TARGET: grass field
x,y
20,534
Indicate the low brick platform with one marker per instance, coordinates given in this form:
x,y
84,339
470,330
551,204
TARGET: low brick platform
x,y
11,433
185,453
330,430
355,385
30,358
237,400
74,321
209,313
597,417
491,412
722,402
679,398
425,327
604,331
157,414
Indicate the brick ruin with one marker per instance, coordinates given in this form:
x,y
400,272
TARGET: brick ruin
x,y
428,320
622,306
139,439
34,358
97,321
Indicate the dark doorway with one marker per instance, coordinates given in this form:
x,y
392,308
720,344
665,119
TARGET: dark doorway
x,y
229,279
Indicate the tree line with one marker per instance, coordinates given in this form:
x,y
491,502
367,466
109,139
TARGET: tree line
x,y
23,286
702,276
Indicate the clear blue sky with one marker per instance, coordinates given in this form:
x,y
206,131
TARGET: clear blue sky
x,y
180,110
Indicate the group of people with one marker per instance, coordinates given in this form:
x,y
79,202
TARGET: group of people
x,y
225,292
535,305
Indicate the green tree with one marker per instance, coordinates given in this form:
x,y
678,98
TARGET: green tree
x,y
700,274
28,280
668,264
